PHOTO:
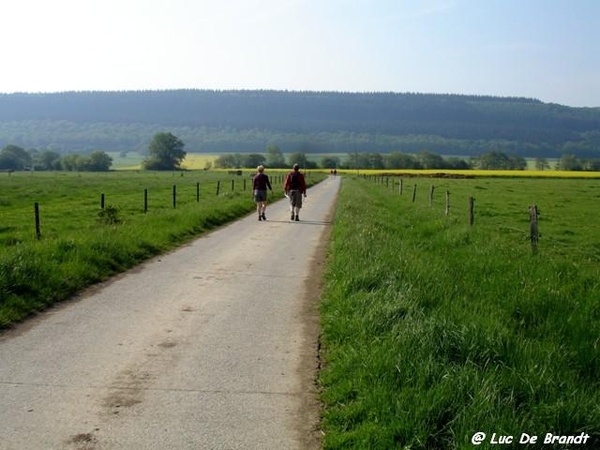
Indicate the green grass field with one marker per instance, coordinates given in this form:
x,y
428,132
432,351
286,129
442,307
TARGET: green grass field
x,y
433,330
81,245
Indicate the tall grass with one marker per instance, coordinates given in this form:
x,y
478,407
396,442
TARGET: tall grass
x,y
433,331
79,246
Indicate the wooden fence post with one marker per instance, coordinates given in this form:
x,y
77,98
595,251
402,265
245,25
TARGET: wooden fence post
x,y
174,196
431,189
400,187
145,200
197,192
414,195
218,187
232,185
447,202
101,201
533,227
471,207
36,209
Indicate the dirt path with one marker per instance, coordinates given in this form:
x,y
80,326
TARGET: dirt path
x,y
213,346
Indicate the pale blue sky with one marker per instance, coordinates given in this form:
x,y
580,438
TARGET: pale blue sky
x,y
545,49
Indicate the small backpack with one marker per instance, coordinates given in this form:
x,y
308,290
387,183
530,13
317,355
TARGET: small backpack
x,y
294,181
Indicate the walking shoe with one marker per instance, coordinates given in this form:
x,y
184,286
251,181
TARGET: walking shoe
x,y
264,217
259,218
292,218
297,218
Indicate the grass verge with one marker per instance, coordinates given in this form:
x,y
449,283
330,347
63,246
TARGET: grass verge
x,y
434,331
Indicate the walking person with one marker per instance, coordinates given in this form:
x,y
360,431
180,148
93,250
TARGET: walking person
x,y
260,183
295,189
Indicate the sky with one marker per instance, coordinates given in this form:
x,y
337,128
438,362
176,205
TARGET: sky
x,y
544,49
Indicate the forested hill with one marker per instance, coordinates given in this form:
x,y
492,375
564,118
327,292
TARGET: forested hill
x,y
308,121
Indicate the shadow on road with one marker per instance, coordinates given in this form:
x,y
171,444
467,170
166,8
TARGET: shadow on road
x,y
300,222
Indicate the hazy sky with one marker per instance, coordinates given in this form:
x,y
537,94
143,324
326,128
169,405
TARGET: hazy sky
x,y
546,49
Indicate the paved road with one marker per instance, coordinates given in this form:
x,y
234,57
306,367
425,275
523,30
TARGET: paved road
x,y
212,346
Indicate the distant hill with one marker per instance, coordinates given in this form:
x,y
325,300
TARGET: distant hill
x,y
247,121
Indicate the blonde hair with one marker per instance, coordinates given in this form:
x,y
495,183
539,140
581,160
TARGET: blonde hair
x,y
261,168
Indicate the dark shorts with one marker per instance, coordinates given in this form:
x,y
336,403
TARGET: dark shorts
x,y
295,198
260,195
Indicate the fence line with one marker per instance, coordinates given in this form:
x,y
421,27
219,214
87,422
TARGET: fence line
x,y
533,236
145,206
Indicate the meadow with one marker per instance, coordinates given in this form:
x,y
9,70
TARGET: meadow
x,y
134,160
81,244
434,330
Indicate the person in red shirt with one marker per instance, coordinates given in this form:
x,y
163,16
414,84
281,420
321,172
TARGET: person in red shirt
x,y
260,183
295,189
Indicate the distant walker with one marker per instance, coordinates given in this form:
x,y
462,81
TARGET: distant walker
x,y
295,188
260,184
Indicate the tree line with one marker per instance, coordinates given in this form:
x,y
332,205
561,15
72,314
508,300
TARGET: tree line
x,y
492,160
308,122
13,157
166,152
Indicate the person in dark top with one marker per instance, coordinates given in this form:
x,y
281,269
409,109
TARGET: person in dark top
x,y
260,183
295,189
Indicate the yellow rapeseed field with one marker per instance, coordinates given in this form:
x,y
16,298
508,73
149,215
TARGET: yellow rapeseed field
x,y
196,161
476,173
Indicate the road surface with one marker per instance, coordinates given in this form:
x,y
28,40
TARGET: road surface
x,y
212,346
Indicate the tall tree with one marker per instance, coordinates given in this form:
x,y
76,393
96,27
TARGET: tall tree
x,y
301,159
275,156
541,163
430,160
13,157
330,162
569,162
166,152
253,160
49,160
399,160
99,161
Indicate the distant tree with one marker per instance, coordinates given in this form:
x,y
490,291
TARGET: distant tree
x,y
229,161
517,162
48,160
253,160
592,164
541,163
330,162
166,152
99,161
375,161
569,162
275,156
458,164
399,160
13,157
430,160
72,162
495,160
301,159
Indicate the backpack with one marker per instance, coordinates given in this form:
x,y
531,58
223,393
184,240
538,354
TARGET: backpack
x,y
294,181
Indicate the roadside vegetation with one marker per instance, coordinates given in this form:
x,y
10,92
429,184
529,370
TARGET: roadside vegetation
x,y
434,330
81,244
